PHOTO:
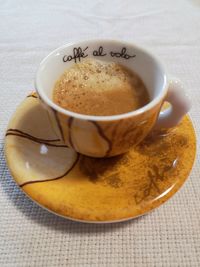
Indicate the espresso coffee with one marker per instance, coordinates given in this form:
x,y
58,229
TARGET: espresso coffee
x,y
95,87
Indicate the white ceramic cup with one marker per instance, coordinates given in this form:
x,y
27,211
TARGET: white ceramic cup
x,y
105,136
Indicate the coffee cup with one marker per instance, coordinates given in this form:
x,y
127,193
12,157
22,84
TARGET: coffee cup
x,y
107,136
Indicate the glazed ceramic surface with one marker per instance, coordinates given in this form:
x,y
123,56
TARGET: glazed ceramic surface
x,y
90,189
107,136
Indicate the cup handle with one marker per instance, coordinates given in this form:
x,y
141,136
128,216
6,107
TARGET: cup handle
x,y
179,105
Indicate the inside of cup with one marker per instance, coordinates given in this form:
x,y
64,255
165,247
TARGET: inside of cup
x,y
131,56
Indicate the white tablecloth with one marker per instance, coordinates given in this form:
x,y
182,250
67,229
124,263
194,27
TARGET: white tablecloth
x,y
29,30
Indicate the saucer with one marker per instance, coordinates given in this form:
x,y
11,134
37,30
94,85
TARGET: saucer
x,y
87,189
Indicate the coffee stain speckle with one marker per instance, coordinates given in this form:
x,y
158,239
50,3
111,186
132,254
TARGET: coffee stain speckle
x,y
114,181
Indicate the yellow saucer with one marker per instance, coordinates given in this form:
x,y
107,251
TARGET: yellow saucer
x,y
95,190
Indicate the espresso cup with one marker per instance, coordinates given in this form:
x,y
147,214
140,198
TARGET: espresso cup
x,y
107,136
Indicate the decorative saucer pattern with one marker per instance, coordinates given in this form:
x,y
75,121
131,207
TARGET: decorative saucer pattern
x,y
91,189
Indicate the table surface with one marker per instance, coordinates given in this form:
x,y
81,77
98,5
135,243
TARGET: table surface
x,y
29,30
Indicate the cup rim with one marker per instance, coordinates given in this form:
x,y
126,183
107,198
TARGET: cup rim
x,y
69,113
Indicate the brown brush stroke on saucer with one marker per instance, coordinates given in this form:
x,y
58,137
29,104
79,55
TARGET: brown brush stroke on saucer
x,y
33,95
56,178
31,136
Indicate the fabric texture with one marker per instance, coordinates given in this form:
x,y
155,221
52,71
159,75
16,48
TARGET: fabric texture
x,y
29,30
